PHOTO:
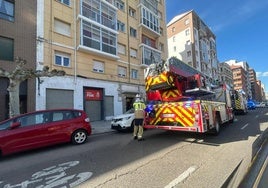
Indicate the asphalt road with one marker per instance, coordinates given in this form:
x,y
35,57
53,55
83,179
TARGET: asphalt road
x,y
164,159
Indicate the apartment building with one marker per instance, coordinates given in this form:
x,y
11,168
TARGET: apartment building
x,y
17,39
225,74
253,82
191,40
260,96
103,46
245,81
239,78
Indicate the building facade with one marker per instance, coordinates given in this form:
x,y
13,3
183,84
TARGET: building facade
x,y
254,86
226,74
103,46
239,78
17,39
245,81
191,40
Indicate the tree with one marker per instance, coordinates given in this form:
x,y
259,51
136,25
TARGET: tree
x,y
20,74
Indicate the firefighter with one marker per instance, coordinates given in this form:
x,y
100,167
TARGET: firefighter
x,y
139,107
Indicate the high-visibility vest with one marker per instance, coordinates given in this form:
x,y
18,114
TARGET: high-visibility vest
x,y
139,110
139,106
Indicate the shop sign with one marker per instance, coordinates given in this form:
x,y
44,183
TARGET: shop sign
x,y
93,94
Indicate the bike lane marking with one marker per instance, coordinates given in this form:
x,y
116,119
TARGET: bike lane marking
x,y
53,176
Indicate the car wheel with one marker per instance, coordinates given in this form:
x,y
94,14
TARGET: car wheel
x,y
79,137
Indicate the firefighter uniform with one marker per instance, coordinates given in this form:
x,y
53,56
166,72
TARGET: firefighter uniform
x,y
139,107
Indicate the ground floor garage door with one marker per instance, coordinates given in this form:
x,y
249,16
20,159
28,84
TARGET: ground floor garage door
x,y
93,103
93,110
58,98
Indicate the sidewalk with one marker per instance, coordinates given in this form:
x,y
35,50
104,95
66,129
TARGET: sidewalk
x,y
102,126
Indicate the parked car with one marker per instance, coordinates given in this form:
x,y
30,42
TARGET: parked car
x,y
123,122
251,105
43,128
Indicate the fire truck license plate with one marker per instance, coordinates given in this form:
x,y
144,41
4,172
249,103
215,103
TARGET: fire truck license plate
x,y
168,115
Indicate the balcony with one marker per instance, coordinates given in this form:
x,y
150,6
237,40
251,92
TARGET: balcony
x,y
105,16
150,21
150,55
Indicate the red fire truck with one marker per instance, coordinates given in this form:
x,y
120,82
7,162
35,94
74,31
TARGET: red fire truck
x,y
180,98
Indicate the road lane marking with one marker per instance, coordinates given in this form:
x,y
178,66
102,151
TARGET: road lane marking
x,y
181,177
244,126
54,176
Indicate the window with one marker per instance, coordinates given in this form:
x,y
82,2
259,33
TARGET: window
x,y
132,12
173,29
122,71
32,119
133,53
98,66
99,38
150,19
161,31
186,22
174,48
161,47
133,32
160,15
62,27
7,49
189,54
148,41
66,2
188,42
187,32
62,59
7,10
122,49
120,4
134,74
174,39
120,26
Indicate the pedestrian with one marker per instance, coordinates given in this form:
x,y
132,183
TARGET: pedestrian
x,y
139,108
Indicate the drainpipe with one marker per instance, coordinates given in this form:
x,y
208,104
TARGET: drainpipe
x,y
75,44
50,35
128,46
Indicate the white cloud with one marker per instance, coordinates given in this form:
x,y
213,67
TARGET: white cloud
x,y
265,74
262,74
258,74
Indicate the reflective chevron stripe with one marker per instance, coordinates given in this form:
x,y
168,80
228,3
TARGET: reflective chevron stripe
x,y
151,81
176,113
171,93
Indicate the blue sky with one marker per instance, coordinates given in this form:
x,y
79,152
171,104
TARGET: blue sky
x,y
240,26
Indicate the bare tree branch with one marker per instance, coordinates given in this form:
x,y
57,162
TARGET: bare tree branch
x,y
18,75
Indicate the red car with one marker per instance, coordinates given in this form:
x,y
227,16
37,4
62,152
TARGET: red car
x,y
43,128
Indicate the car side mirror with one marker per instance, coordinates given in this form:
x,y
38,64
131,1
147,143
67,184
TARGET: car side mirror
x,y
15,125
